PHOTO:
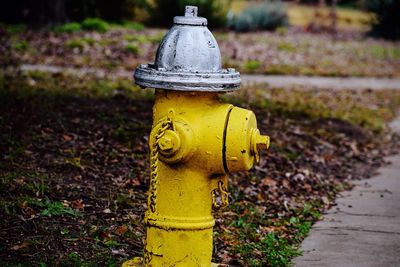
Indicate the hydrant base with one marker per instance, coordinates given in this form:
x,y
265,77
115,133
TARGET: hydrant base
x,y
138,262
135,262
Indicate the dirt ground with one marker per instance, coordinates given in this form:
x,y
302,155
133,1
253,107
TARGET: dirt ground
x,y
74,176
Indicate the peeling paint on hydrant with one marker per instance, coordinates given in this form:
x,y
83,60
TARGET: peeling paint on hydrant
x,y
195,141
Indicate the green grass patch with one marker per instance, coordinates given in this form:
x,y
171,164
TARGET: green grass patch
x,y
281,70
20,46
132,48
16,28
288,47
276,251
69,27
50,85
32,183
368,109
75,43
252,65
133,25
95,24
382,52
269,240
54,209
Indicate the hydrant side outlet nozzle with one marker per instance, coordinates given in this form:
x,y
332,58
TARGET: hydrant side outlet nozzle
x,y
194,142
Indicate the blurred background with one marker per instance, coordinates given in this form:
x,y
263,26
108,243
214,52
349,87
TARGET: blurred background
x,y
302,37
377,16
74,166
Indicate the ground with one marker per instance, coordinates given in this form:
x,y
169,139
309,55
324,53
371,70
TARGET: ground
x,y
74,153
74,169
290,51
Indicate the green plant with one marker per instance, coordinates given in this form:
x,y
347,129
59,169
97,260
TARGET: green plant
x,y
387,20
275,251
55,209
16,28
268,15
132,48
69,27
162,11
138,38
252,65
288,47
20,46
75,43
95,24
133,25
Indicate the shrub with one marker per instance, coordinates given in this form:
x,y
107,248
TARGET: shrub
x,y
387,21
69,27
95,24
162,11
268,15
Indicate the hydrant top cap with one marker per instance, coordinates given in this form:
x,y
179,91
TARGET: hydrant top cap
x,y
190,17
188,59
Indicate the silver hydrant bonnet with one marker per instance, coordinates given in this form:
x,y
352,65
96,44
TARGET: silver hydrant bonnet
x,y
188,59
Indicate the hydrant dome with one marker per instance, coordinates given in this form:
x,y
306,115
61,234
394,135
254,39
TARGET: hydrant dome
x,y
189,49
188,59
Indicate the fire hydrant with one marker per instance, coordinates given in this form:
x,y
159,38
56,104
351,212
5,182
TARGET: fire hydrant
x,y
195,141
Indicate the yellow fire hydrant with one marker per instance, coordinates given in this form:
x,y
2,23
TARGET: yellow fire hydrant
x,y
195,141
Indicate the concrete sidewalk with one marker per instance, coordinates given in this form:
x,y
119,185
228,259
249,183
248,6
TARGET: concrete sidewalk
x,y
285,81
363,229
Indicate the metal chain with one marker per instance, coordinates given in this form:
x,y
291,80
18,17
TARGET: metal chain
x,y
166,124
220,196
148,256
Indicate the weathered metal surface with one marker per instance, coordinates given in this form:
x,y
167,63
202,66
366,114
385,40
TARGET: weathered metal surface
x,y
188,59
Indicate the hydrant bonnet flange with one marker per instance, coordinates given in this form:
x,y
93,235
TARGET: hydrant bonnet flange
x,y
188,59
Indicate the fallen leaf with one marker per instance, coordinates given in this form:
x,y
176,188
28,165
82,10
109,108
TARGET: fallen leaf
x,y
24,244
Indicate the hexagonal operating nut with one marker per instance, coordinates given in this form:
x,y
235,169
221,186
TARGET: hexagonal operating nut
x,y
169,143
165,143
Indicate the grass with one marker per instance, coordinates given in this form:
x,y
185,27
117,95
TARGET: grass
x,y
288,47
32,82
69,27
258,234
54,209
20,46
345,105
276,251
251,65
31,182
381,52
95,24
302,15
133,25
132,48
75,43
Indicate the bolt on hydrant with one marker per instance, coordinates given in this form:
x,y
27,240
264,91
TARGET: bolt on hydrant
x,y
195,141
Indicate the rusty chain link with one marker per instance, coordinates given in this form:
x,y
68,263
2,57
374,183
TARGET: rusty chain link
x,y
220,196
